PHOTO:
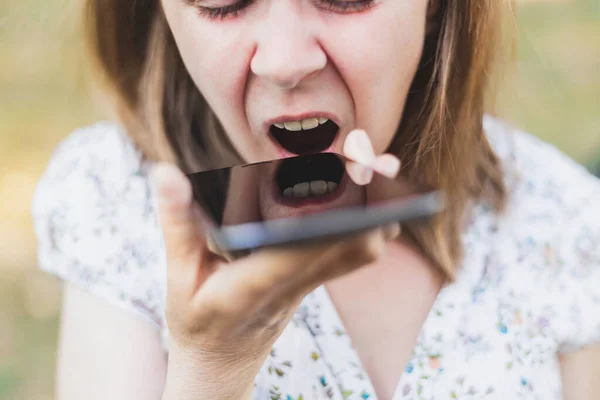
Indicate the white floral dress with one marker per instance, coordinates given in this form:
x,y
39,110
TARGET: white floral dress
x,y
528,289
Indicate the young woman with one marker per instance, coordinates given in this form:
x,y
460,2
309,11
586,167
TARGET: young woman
x,y
496,299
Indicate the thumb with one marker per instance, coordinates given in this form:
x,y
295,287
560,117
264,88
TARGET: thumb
x,y
181,226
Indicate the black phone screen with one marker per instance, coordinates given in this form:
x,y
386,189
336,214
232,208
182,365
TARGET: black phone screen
x,y
292,188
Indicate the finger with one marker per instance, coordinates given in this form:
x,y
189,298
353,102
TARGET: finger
x,y
392,231
180,223
359,174
387,165
358,147
250,276
242,203
338,258
343,257
279,274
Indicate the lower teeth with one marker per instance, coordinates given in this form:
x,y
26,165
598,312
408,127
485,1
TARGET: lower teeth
x,y
314,188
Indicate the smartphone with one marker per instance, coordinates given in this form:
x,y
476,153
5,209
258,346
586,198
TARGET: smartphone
x,y
300,199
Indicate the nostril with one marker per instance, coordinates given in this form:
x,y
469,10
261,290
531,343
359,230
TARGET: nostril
x,y
305,141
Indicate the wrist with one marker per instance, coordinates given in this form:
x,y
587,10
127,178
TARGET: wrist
x,y
196,376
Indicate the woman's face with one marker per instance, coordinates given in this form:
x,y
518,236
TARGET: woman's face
x,y
286,61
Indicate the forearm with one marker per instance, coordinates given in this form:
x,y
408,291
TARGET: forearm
x,y
579,373
191,379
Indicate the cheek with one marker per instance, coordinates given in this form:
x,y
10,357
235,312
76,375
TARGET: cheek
x,y
204,57
378,61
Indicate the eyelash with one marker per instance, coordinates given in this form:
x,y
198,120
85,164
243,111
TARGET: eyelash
x,y
234,10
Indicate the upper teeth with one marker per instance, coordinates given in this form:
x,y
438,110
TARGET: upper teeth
x,y
309,123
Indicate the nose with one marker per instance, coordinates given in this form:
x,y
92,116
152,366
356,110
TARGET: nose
x,y
287,48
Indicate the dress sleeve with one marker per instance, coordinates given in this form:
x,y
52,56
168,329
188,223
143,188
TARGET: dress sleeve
x,y
94,220
578,301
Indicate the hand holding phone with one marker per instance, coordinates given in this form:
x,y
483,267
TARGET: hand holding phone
x,y
224,317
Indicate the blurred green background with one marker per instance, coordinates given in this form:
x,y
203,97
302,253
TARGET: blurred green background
x,y
552,92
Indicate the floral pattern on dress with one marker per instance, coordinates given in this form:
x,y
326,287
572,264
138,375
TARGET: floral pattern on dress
x,y
527,290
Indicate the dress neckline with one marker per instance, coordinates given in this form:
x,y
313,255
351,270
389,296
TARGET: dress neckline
x,y
342,359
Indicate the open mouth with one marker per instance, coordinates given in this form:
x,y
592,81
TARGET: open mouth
x,y
310,178
311,135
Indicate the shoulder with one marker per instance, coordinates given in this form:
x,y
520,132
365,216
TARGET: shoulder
x,y
538,172
94,219
103,146
548,240
95,174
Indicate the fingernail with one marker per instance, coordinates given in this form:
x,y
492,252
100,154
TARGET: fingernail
x,y
166,182
367,175
387,165
359,174
358,147
392,231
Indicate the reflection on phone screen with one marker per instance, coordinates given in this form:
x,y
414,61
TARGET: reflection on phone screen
x,y
291,187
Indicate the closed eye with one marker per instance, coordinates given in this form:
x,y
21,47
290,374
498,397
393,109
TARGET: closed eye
x,y
235,9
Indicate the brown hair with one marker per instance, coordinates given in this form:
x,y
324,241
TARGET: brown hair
x,y
440,139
